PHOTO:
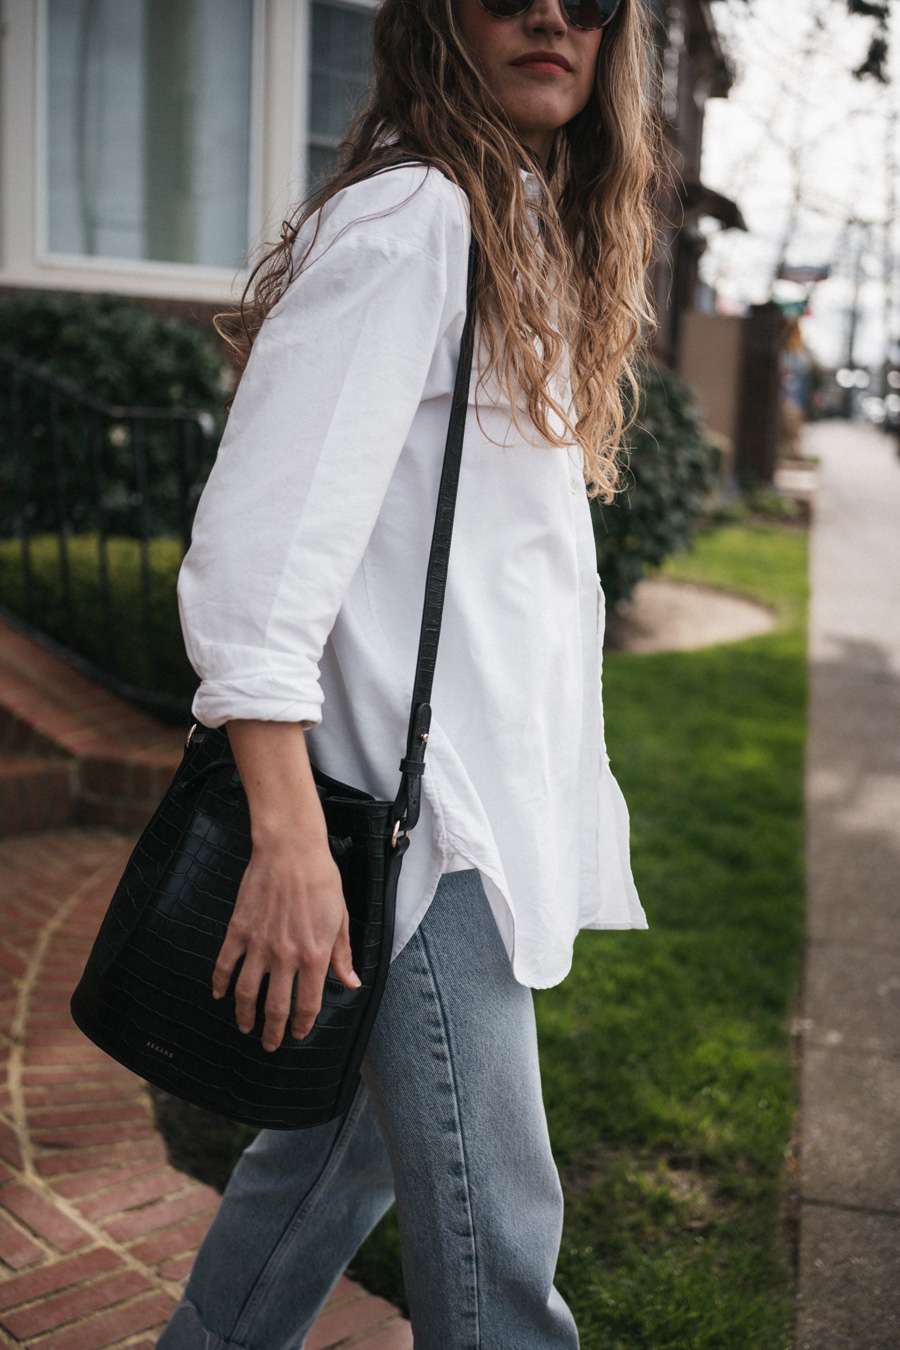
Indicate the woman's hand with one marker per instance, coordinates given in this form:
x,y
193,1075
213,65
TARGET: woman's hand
x,y
290,920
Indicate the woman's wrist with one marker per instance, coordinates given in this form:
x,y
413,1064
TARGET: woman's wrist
x,y
280,830
285,811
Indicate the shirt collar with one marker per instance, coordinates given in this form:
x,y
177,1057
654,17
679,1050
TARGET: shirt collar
x,y
531,186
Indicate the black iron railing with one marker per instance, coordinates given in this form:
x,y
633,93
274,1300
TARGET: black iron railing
x,y
96,507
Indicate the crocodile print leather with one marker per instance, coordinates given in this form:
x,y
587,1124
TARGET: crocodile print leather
x,y
146,993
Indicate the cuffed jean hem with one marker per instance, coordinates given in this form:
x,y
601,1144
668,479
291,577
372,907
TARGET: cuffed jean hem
x,y
185,1327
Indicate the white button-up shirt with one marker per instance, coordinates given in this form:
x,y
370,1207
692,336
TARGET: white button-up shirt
x,y
301,595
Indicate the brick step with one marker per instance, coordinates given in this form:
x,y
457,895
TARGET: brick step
x,y
122,760
37,792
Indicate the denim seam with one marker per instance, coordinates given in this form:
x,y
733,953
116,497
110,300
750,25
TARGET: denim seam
x,y
462,1141
299,1217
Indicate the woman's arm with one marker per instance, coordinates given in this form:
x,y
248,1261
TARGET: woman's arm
x,y
290,919
320,419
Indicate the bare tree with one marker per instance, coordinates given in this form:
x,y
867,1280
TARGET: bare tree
x,y
875,65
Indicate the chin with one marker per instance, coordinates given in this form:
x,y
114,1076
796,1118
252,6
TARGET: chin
x,y
543,118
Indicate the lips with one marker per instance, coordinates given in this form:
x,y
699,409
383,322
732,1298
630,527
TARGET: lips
x,y
542,60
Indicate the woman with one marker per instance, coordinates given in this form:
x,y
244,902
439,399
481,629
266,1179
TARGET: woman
x,y
301,598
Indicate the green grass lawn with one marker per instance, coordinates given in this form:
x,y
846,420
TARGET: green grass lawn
x,y
667,1067
666,1054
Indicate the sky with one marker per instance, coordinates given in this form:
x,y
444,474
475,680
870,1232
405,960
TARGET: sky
x,y
798,126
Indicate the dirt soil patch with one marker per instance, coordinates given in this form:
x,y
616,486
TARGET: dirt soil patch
x,y
680,616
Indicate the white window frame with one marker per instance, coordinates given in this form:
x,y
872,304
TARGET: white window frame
x,y
304,57
25,260
278,158
43,254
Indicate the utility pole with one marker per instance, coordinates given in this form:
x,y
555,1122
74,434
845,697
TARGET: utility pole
x,y
891,272
891,276
890,225
853,314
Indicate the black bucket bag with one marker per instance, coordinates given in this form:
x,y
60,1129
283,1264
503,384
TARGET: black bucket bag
x,y
146,993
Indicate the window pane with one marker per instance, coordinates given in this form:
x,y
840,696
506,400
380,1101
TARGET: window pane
x,y
321,161
340,60
149,129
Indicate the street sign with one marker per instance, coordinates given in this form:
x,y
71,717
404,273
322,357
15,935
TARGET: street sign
x,y
804,276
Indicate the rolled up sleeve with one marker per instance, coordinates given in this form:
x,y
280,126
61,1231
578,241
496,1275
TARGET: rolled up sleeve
x,y
317,426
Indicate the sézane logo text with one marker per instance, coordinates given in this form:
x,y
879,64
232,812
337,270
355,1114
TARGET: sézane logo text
x,y
169,1054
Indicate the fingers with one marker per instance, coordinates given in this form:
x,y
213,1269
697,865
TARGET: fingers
x,y
233,948
246,992
310,984
287,925
342,957
278,1007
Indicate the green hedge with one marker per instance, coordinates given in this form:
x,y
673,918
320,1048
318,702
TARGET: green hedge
x,y
117,351
671,470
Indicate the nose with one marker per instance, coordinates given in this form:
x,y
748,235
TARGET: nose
x,y
546,16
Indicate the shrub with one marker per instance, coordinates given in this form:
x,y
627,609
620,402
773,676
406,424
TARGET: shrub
x,y
671,469
96,476
116,349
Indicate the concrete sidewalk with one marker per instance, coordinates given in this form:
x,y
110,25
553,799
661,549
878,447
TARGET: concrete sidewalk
x,y
849,1289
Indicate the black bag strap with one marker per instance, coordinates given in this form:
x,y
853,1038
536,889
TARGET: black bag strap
x,y
412,766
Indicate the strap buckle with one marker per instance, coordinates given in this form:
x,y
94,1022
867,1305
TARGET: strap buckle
x,y
396,835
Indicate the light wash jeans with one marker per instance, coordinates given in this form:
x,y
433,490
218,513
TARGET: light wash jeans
x,y
450,1117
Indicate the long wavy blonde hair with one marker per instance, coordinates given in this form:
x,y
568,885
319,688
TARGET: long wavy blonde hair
x,y
578,304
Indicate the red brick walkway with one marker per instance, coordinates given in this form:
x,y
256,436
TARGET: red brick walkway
x,y
96,1230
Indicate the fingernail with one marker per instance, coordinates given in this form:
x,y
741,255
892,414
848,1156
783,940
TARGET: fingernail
x,y
216,994
242,1026
355,981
